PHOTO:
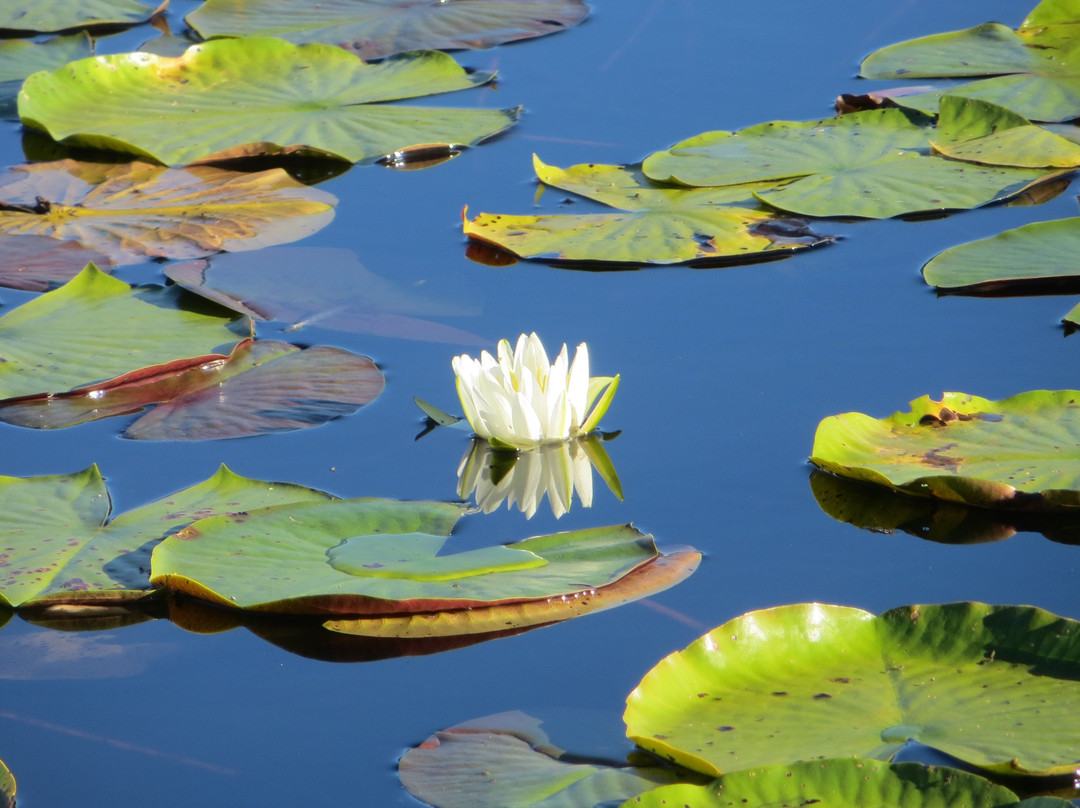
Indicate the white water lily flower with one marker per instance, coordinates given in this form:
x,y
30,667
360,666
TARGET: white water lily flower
x,y
521,400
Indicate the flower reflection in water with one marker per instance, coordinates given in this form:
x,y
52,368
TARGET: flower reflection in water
x,y
522,479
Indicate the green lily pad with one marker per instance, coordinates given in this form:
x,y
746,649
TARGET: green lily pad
x,y
838,783
374,29
20,57
646,580
96,327
60,15
275,284
1017,452
507,761
981,132
281,560
7,787
59,545
995,686
1022,259
1035,70
235,98
137,211
874,164
262,387
659,225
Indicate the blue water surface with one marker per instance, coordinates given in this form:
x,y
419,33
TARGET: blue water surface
x,y
726,373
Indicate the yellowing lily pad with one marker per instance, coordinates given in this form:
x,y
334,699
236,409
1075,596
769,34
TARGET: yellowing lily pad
x,y
377,28
317,561
235,98
96,327
262,387
59,544
137,211
1021,452
60,15
658,225
995,686
873,164
7,787
1034,69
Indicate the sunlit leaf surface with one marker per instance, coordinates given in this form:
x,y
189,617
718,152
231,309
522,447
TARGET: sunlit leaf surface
x,y
375,556
839,783
649,579
995,686
57,542
377,28
1035,69
1022,451
659,225
132,212
7,787
507,761
35,263
60,15
241,97
874,164
981,132
263,387
323,287
21,57
96,327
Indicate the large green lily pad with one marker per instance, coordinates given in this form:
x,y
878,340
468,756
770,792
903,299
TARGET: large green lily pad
x,y
60,15
96,327
276,284
375,556
659,225
1022,451
136,211
377,28
262,387
240,97
21,57
873,164
840,783
58,544
995,686
507,761
1035,69
981,132
7,787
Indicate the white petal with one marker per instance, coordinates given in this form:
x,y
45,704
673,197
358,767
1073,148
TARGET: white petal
x,y
577,385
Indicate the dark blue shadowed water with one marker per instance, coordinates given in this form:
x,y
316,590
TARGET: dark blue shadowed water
x,y
726,373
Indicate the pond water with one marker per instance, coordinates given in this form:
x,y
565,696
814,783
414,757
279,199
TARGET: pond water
x,y
726,373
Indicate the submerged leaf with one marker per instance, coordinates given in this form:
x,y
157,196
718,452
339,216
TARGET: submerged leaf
x,y
661,225
136,211
261,544
96,327
36,263
874,164
277,284
507,761
235,98
263,387
1020,452
995,686
60,15
59,545
377,28
1035,69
